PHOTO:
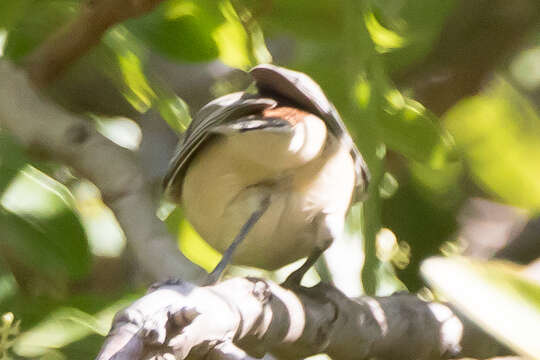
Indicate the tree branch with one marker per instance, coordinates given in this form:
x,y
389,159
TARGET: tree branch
x,y
50,131
72,41
248,317
478,37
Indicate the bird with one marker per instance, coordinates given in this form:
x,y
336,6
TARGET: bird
x,y
267,177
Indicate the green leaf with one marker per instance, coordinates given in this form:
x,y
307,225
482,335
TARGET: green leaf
x,y
40,228
195,248
36,23
384,38
411,130
204,30
304,19
180,30
498,133
494,295
11,12
232,39
127,67
388,186
409,28
12,160
192,245
173,110
67,324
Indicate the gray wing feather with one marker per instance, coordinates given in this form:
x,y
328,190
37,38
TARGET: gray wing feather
x,y
219,111
270,80
301,89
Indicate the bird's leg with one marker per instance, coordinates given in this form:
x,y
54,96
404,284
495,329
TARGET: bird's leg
x,y
328,229
213,277
297,275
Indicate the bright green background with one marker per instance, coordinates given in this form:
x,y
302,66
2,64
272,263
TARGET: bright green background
x,y
424,168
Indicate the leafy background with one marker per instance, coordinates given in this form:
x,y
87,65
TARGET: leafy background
x,y
455,178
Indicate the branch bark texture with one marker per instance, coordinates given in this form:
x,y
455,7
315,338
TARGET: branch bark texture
x,y
51,132
54,133
247,317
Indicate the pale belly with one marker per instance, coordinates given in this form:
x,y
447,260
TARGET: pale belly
x,y
307,206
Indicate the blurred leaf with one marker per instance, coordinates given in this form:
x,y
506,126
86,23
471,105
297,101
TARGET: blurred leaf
x,y
122,131
421,220
204,30
384,38
189,241
104,234
232,39
36,23
11,12
493,294
126,67
525,68
498,133
12,160
8,285
39,227
418,23
315,20
441,185
9,330
411,130
195,248
65,325
180,29
388,186
174,111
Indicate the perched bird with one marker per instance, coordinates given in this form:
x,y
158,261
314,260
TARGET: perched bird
x,y
267,178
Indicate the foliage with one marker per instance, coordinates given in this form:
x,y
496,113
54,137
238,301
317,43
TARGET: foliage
x,y
54,227
483,289
8,331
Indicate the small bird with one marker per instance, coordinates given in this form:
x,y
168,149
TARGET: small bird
x,y
267,178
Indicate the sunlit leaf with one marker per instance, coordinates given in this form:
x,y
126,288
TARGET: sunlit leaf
x,y
388,186
411,130
195,248
232,39
418,23
39,227
66,325
498,133
129,69
105,236
384,38
189,241
526,68
405,125
174,111
493,294
120,130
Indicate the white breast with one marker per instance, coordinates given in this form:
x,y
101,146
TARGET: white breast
x,y
308,174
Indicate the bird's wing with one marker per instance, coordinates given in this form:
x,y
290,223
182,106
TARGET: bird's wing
x,y
302,90
214,114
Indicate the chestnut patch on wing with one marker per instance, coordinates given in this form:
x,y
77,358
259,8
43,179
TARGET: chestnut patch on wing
x,y
290,114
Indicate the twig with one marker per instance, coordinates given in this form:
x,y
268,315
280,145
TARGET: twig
x,y
54,133
72,41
